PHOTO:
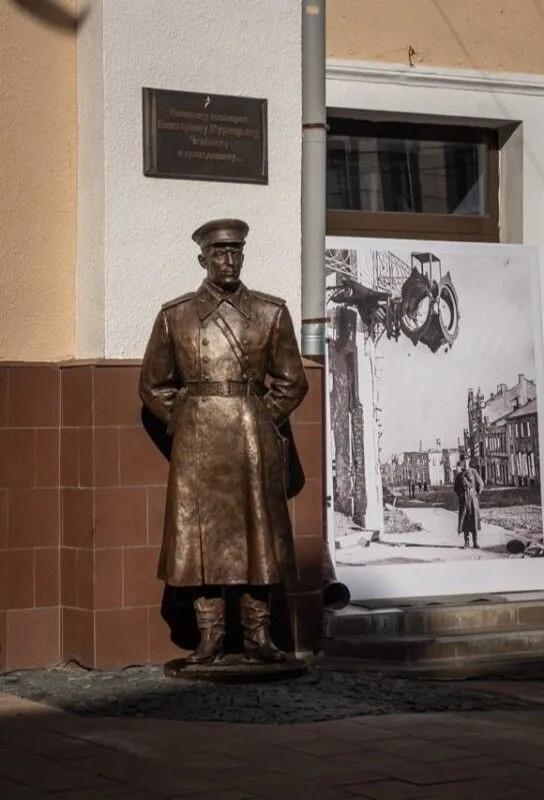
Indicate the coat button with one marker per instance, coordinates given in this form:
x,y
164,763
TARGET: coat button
x,y
205,359
205,342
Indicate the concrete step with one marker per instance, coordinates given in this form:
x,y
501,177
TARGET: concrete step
x,y
478,637
414,648
515,665
436,620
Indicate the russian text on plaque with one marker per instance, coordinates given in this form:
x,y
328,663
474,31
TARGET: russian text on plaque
x,y
204,136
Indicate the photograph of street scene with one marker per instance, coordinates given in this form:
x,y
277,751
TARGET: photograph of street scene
x,y
432,391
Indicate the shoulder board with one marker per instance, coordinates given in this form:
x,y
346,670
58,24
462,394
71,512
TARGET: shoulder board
x,y
177,300
277,301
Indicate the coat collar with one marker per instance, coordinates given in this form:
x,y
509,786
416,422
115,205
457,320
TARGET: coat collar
x,y
208,298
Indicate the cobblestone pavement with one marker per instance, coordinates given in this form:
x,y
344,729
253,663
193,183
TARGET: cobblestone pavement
x,y
317,696
497,755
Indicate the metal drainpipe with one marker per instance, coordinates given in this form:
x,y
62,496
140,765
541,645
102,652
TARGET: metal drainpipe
x,y
314,165
314,204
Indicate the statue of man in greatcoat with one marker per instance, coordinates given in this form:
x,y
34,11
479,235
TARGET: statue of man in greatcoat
x,y
223,371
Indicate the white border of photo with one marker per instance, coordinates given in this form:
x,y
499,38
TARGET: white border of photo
x,y
472,577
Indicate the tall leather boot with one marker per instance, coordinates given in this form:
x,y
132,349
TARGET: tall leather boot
x,y
255,618
475,544
467,541
210,618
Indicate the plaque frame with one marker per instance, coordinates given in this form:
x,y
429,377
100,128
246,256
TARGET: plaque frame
x,y
256,172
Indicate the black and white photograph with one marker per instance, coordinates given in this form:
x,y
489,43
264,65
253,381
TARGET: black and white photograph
x,y
433,390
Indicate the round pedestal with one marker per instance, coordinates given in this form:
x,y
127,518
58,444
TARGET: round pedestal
x,y
234,668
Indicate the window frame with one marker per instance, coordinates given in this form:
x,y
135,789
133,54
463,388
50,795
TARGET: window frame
x,y
415,225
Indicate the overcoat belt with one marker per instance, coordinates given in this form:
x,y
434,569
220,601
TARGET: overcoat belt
x,y
226,518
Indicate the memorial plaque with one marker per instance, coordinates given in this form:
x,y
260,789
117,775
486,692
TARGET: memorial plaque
x,y
208,137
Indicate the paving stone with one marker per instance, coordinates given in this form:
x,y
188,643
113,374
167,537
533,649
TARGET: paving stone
x,y
377,759
175,783
208,763
420,750
444,771
348,730
227,794
488,790
277,734
10,790
286,787
391,790
55,780
483,795
326,746
298,764
130,794
530,778
15,761
350,777
115,790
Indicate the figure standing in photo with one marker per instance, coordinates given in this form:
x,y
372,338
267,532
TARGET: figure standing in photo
x,y
468,486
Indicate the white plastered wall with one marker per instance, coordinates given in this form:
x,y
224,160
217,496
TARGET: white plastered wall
x,y
250,48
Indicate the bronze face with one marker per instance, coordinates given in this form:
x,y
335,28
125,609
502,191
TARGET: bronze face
x,y
223,263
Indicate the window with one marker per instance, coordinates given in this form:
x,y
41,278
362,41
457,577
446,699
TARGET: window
x,y
412,180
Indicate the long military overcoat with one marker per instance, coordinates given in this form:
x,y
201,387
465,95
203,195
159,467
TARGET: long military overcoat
x,y
468,486
226,516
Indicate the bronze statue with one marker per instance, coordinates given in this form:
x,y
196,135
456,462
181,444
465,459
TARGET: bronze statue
x,y
223,370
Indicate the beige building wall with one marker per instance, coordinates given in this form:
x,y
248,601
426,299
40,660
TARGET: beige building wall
x,y
38,143
489,35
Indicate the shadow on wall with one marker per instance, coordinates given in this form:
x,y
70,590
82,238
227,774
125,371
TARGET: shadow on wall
x,y
52,13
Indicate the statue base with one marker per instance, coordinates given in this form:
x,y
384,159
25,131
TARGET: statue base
x,y
234,668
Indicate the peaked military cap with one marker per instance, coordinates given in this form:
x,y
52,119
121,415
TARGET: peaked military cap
x,y
221,231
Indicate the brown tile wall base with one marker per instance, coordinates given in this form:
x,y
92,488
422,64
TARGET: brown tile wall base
x,y
115,637
3,640
30,408
78,636
82,492
33,637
